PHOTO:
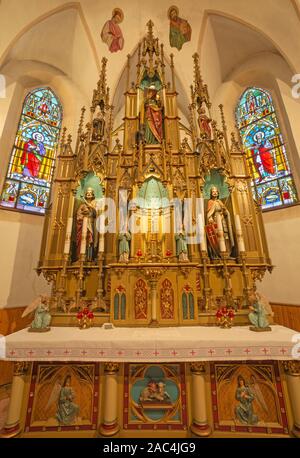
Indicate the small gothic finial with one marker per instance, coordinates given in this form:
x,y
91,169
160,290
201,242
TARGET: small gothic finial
x,y
63,136
69,141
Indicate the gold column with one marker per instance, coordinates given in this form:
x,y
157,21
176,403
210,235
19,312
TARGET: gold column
x,y
12,426
110,425
199,426
292,369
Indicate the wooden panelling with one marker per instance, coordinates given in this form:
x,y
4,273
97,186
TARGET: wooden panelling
x,y
287,315
10,321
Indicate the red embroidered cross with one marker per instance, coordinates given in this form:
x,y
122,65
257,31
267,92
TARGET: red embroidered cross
x,y
30,353
174,353
156,353
101,352
66,352
49,352
12,352
120,353
265,351
228,351
283,351
83,352
247,351
192,352
211,352
138,353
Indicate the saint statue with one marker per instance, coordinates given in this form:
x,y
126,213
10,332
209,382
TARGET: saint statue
x,y
153,117
180,29
111,33
216,208
87,209
67,410
204,123
181,246
98,127
244,411
124,249
33,154
258,315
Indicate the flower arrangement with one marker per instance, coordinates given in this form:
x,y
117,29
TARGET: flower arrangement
x,y
85,318
225,316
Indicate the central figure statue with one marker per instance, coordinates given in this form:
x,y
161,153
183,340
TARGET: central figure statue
x,y
153,117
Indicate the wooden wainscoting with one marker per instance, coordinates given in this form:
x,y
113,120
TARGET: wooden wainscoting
x,y
10,321
287,315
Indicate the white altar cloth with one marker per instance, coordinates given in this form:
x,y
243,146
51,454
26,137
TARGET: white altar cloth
x,y
198,343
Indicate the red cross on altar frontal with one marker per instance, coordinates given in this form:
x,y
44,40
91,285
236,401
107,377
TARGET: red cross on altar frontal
x,y
247,351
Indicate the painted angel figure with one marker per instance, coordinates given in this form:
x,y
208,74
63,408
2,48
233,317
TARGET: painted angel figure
x,y
67,410
244,410
42,316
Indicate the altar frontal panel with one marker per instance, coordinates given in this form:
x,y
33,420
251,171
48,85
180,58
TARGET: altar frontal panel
x,y
248,397
155,397
63,397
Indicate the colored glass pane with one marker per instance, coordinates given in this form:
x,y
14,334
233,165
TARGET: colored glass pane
x,y
266,154
31,166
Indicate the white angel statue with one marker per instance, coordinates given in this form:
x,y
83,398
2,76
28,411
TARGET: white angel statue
x,y
42,317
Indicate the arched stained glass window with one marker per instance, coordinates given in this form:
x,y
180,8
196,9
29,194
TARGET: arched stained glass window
x,y
30,171
272,181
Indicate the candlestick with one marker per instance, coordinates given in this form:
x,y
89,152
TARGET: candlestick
x,y
83,235
68,236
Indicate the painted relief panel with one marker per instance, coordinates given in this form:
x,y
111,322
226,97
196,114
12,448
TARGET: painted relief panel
x,y
63,397
248,398
155,397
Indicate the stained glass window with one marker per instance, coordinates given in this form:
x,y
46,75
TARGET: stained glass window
x,y
272,181
30,170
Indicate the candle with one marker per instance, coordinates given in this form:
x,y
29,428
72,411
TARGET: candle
x,y
83,235
101,236
221,239
239,234
68,236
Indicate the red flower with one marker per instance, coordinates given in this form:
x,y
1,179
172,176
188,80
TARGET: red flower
x,y
139,253
90,315
168,253
231,314
79,316
85,311
219,314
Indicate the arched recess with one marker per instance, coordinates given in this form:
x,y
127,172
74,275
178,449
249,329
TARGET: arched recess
x,y
76,6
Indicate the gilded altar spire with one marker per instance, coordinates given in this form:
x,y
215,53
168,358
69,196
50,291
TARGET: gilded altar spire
x,y
101,94
150,47
199,91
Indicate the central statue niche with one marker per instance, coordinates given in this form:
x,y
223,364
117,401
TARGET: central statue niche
x,y
151,114
154,213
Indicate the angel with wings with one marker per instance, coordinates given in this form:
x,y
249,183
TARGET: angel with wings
x,y
42,317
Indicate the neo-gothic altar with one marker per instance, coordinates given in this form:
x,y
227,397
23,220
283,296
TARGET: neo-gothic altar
x,y
153,228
